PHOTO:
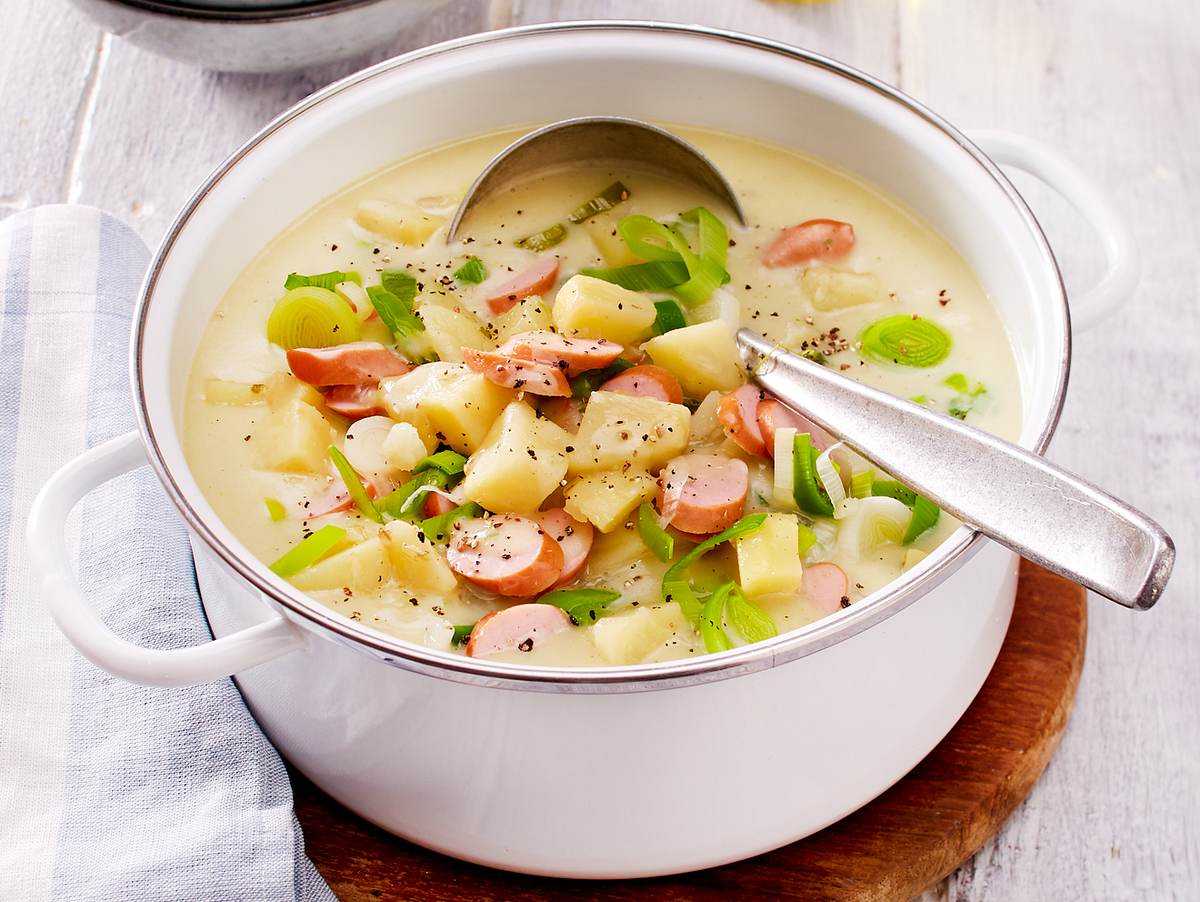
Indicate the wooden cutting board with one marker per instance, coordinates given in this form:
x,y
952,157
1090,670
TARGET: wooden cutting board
x,y
893,849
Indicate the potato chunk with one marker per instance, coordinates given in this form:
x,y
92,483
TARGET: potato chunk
x,y
833,289
592,308
295,438
620,431
404,446
449,332
602,230
531,314
459,406
521,462
629,638
769,558
281,389
702,357
606,499
362,568
398,222
416,563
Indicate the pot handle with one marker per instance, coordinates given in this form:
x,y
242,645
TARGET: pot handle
x,y
79,621
1120,251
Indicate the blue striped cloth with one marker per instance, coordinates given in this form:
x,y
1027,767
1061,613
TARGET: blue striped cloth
x,y
110,791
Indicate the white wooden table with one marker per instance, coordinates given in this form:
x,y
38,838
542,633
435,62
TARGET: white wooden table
x,y
86,118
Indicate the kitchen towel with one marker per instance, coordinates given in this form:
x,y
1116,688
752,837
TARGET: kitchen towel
x,y
110,791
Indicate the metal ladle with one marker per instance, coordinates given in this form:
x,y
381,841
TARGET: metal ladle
x,y
1017,498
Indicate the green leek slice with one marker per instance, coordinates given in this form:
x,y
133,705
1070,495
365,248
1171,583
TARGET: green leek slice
x,y
437,529
667,317
657,539
906,340
358,494
748,620
543,240
404,503
861,484
449,462
275,510
809,496
309,551
584,606
925,516
890,488
586,383
657,275
329,280
312,318
805,540
461,634
472,272
712,627
614,194
743,526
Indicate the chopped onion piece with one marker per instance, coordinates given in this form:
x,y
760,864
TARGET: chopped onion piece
x,y
831,481
784,494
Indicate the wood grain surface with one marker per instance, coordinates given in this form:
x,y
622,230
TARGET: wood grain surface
x,y
906,840
91,119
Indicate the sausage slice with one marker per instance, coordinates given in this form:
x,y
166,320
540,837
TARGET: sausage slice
x,y
573,537
520,627
574,355
355,401
538,279
738,413
703,493
646,381
523,375
773,414
350,364
507,554
817,239
826,584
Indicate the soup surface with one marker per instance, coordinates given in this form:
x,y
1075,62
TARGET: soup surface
x,y
538,444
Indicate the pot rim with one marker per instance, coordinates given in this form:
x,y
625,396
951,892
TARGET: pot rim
x,y
893,598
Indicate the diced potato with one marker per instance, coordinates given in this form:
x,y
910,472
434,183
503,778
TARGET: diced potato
x,y
531,314
364,567
294,439
769,558
833,289
620,559
606,499
449,332
629,638
416,625
703,357
417,564
593,308
620,431
404,446
284,388
237,394
521,462
459,406
612,247
398,222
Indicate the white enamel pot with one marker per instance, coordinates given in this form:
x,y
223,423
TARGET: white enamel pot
x,y
622,771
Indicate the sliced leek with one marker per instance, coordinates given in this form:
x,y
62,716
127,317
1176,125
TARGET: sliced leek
x,y
309,551
906,339
614,194
312,318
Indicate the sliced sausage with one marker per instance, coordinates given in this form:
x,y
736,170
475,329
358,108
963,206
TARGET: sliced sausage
x,y
574,355
738,413
703,493
646,381
507,554
574,537
435,505
817,239
355,402
773,414
825,585
523,375
348,364
538,279
566,413
520,627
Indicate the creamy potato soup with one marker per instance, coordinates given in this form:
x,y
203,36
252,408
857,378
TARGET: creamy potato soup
x,y
538,443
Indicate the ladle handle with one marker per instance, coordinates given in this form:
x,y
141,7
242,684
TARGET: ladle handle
x,y
1017,498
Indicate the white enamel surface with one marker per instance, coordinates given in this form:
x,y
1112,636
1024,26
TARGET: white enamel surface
x,y
632,784
464,768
